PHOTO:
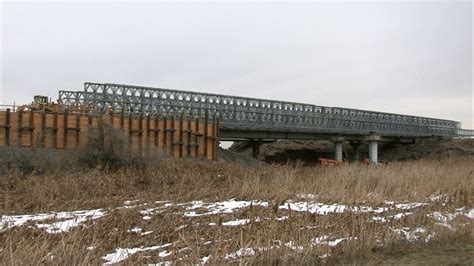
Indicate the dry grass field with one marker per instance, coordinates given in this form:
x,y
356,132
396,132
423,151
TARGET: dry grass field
x,y
201,212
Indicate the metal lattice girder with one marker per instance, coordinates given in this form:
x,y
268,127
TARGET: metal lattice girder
x,y
255,114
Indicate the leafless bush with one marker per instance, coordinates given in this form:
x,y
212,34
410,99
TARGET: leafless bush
x,y
25,161
107,148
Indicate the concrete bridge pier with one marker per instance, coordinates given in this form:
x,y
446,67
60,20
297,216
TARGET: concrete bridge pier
x,y
356,150
338,148
255,147
373,148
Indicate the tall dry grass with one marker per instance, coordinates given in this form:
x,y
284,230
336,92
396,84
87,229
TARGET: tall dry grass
x,y
195,179
185,180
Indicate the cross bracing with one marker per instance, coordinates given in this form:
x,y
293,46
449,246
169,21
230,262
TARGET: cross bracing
x,y
243,113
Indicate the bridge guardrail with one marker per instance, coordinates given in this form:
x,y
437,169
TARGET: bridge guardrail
x,y
466,132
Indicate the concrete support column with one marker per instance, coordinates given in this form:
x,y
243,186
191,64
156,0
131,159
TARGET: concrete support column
x,y
373,148
356,151
338,148
255,148
373,151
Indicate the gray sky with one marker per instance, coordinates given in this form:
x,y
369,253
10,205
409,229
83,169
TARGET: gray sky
x,y
402,57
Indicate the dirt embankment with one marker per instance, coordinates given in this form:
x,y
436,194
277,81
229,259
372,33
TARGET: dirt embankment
x,y
308,152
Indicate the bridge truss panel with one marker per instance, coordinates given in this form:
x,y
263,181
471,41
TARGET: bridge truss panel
x,y
254,114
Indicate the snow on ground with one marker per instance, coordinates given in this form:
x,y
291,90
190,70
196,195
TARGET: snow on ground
x,y
324,240
470,214
121,254
228,206
444,218
412,235
243,252
323,209
139,231
62,222
236,222
386,218
67,220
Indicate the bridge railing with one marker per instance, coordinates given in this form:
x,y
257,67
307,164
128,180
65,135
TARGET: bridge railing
x,y
466,132
242,112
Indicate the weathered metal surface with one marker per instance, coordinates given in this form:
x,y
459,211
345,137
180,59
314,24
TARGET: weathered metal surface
x,y
257,115
140,134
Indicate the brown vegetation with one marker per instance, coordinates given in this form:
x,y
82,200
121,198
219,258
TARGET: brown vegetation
x,y
65,186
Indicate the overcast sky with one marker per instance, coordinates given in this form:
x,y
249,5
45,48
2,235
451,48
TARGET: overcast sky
x,y
402,57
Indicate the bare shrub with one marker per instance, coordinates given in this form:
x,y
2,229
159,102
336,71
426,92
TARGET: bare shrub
x,y
107,148
25,161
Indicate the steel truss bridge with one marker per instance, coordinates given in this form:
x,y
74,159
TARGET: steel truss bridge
x,y
250,118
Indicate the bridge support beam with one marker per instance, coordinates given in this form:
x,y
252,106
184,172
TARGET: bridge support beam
x,y
373,148
338,148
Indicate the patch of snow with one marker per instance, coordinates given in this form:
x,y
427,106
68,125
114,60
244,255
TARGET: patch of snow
x,y
18,220
323,209
205,259
410,235
397,216
243,252
379,219
409,206
73,219
228,206
138,230
318,208
153,211
324,240
165,253
150,211
90,248
282,218
122,254
470,214
436,197
444,218
181,227
135,230
292,245
236,222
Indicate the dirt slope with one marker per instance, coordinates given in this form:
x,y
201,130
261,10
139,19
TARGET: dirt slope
x,y
308,152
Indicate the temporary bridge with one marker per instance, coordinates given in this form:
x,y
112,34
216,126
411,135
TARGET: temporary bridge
x,y
260,120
